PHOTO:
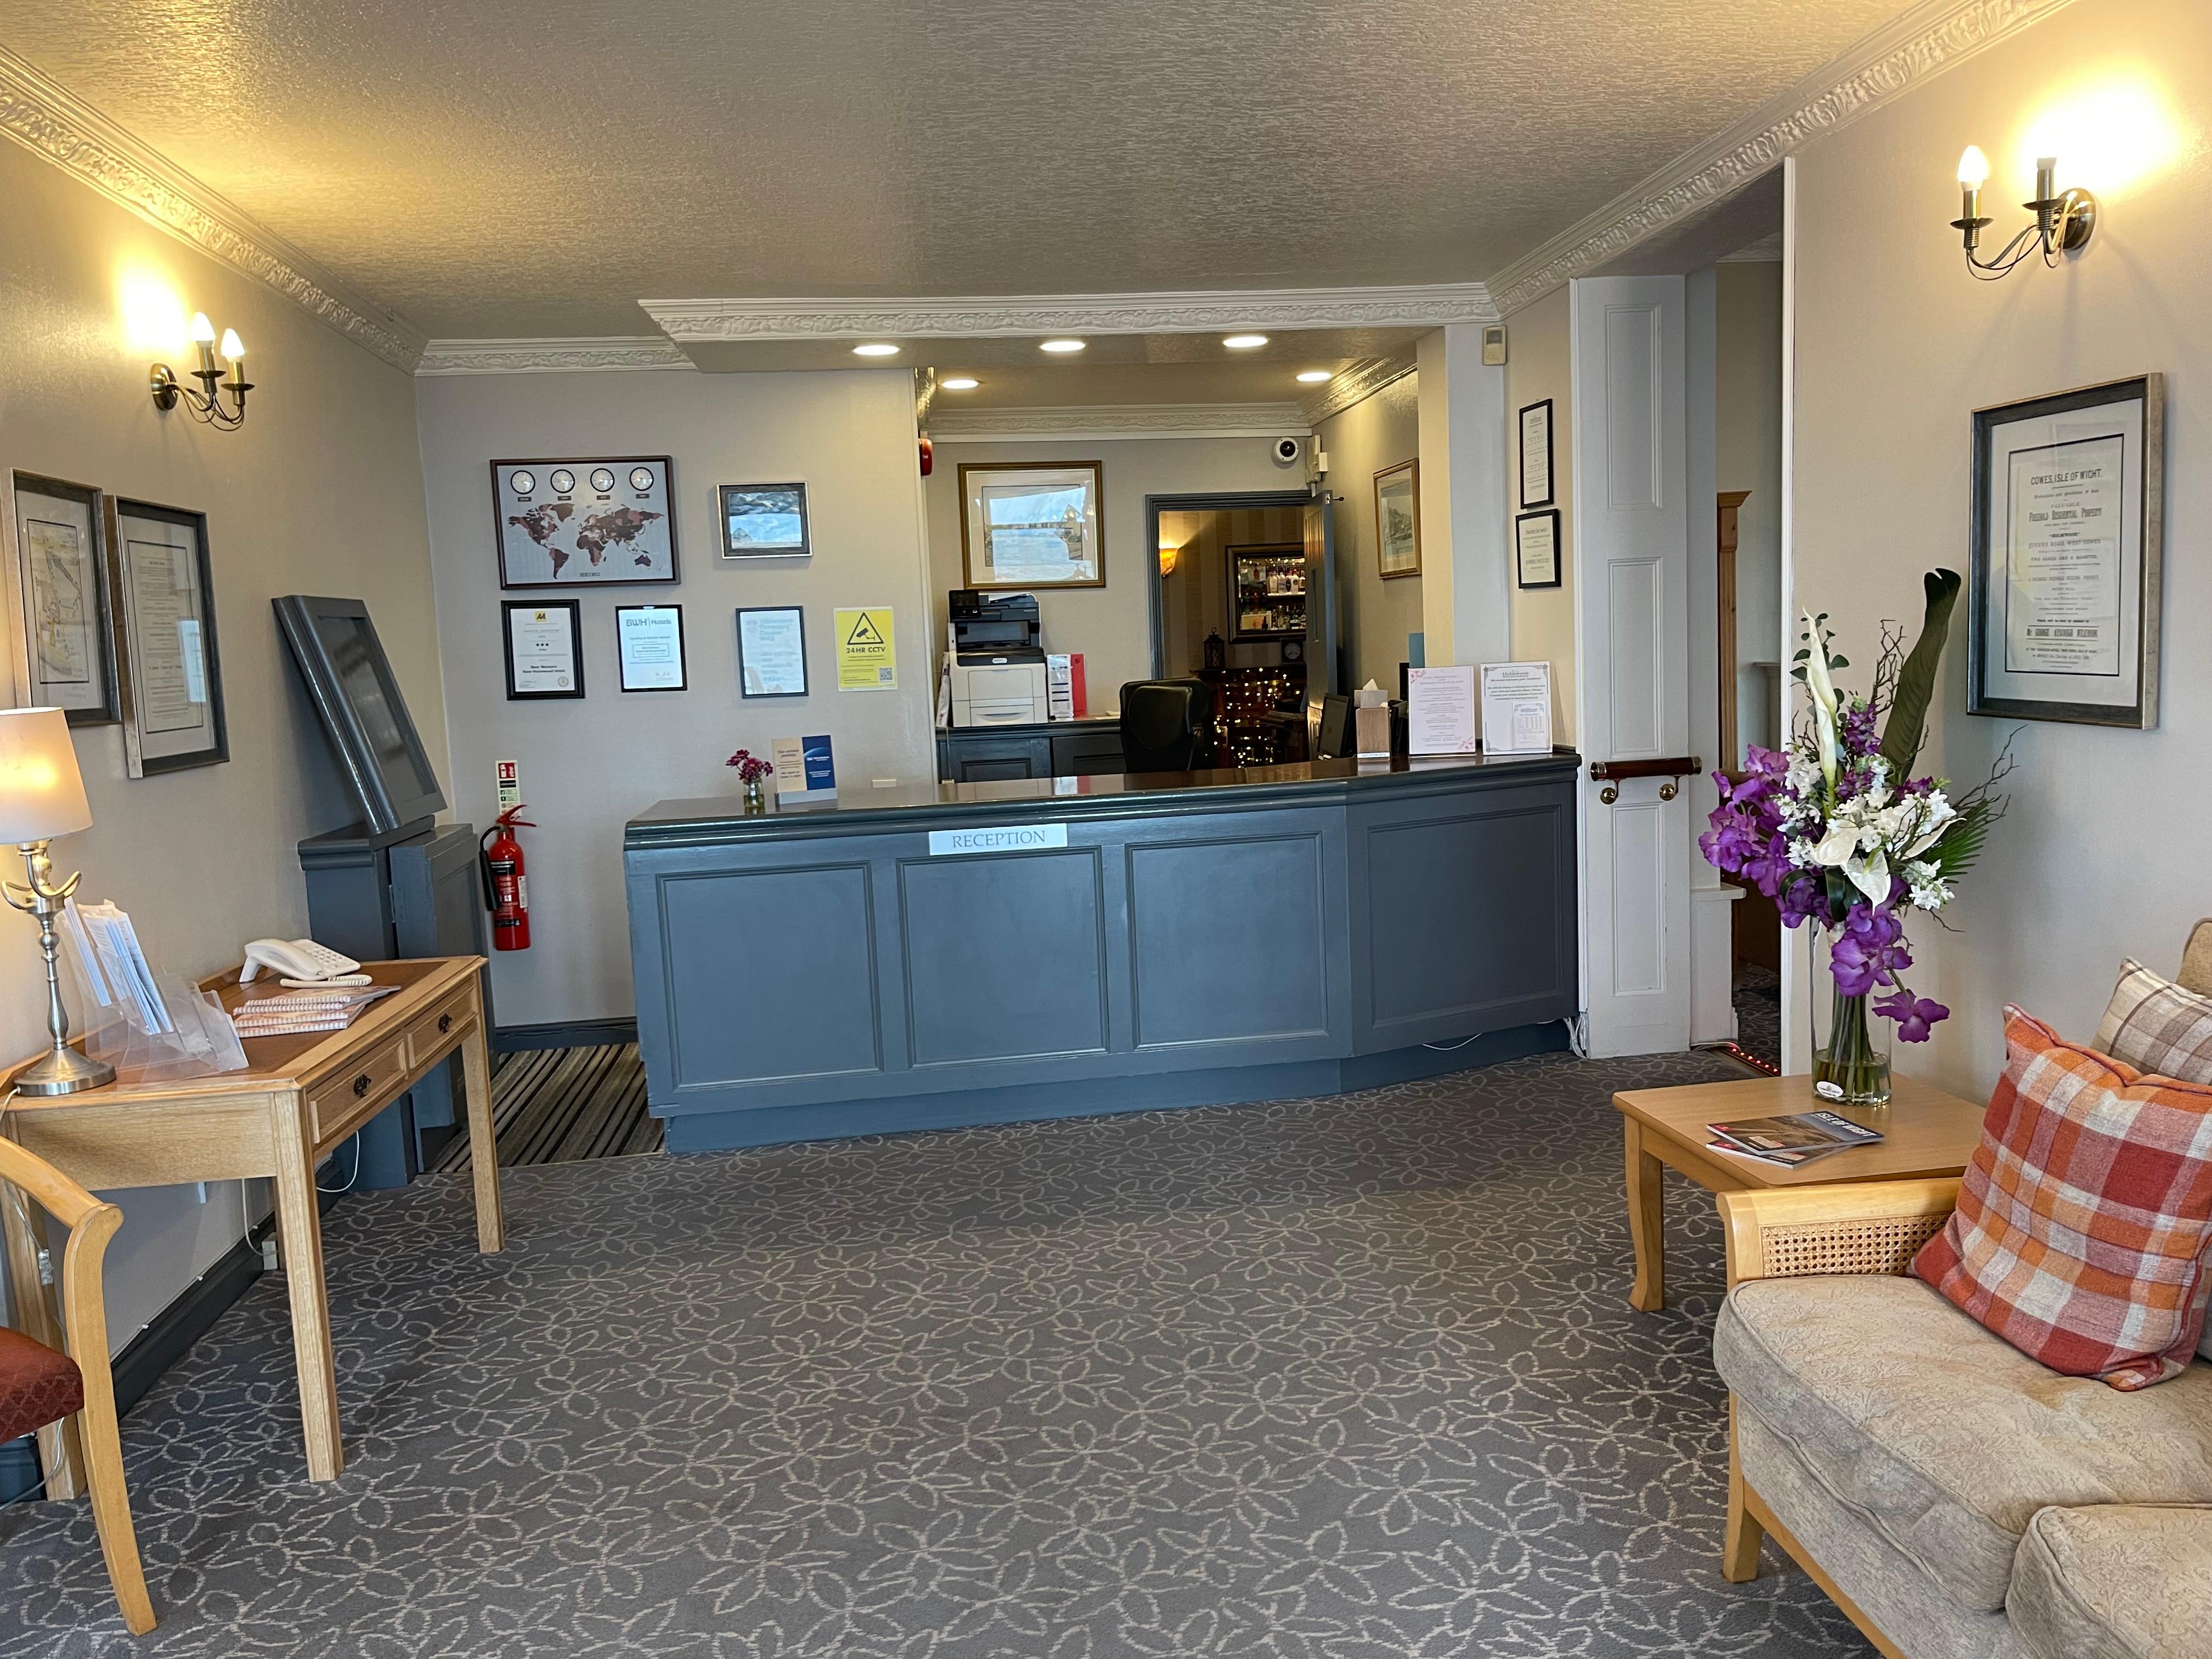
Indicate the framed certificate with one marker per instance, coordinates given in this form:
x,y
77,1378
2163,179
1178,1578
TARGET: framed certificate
x,y
772,652
1536,549
2068,527
1536,487
172,679
544,649
649,646
62,593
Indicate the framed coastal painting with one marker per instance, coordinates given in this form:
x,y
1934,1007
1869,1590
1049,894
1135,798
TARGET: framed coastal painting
x,y
1398,520
2068,543
62,582
1025,526
764,521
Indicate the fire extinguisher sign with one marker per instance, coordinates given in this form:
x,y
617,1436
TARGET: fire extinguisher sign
x,y
510,785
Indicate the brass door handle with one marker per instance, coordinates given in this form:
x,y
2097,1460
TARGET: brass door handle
x,y
445,1023
360,1085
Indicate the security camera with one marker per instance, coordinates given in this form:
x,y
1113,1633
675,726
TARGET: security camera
x,y
1287,451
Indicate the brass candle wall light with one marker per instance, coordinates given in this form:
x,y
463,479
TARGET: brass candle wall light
x,y
206,405
2064,220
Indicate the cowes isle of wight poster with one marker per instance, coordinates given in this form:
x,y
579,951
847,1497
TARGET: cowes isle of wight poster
x,y
573,523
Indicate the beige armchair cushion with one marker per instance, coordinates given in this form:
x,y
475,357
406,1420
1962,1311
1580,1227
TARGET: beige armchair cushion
x,y
2117,1581
2197,959
1941,1438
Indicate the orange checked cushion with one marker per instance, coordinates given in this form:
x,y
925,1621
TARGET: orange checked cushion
x,y
2083,1222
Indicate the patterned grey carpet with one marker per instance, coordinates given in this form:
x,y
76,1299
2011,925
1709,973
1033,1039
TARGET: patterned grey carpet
x,y
1353,1378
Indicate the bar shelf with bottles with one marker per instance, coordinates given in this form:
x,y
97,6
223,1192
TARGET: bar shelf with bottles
x,y
1267,594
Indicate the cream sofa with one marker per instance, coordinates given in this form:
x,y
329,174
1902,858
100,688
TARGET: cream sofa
x,y
1956,1498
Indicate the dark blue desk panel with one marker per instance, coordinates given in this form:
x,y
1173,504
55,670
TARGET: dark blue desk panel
x,y
1201,938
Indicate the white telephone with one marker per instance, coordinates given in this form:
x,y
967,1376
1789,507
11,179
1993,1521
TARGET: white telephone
x,y
301,962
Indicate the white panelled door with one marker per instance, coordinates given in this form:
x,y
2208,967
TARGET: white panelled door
x,y
1631,648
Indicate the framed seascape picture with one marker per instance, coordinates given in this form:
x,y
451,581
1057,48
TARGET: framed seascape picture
x,y
2068,529
544,648
1398,520
1025,526
173,677
764,521
62,580
584,522
1537,489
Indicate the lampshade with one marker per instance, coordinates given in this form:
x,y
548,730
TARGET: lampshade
x,y
41,791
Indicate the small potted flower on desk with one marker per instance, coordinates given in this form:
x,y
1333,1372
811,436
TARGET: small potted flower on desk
x,y
751,768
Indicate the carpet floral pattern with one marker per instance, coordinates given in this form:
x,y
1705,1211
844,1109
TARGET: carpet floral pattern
x,y
1351,1378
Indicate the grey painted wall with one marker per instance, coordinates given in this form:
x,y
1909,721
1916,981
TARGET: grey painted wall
x,y
1375,616
588,766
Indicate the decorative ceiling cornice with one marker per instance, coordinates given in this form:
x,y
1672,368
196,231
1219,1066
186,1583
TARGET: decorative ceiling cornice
x,y
550,356
950,425
1355,385
982,316
1897,57
52,123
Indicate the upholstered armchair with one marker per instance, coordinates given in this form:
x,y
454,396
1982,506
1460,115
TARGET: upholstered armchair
x,y
49,1377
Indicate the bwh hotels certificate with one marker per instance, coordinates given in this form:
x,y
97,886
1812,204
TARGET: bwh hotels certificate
x,y
2062,559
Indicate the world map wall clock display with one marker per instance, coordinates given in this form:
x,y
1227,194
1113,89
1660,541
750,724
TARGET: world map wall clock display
x,y
584,522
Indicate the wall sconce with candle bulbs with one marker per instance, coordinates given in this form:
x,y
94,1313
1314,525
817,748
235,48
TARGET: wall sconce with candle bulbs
x,y
206,405
2064,220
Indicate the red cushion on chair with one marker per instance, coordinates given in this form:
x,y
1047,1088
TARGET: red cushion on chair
x,y
37,1385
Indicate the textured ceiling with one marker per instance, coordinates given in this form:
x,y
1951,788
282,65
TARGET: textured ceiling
x,y
520,167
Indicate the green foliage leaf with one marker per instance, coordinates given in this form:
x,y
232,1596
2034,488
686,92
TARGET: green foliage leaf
x,y
1916,681
1962,843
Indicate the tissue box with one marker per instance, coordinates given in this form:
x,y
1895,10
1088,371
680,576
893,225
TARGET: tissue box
x,y
1372,731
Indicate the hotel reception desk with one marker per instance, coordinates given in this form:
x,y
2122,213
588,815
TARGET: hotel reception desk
x,y
985,952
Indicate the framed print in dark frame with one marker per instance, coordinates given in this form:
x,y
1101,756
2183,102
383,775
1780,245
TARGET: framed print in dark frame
x,y
772,651
2067,553
1538,487
63,586
1536,549
172,676
543,645
605,522
764,521
1397,520
649,649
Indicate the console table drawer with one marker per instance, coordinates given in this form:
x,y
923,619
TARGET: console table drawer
x,y
438,1029
342,1102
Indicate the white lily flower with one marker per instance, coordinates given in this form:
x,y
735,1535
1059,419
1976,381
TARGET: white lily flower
x,y
1839,844
1869,874
1801,852
1935,819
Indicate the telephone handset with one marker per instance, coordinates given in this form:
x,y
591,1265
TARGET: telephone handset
x,y
301,962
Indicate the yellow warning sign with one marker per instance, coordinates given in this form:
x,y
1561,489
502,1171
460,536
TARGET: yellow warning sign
x,y
866,660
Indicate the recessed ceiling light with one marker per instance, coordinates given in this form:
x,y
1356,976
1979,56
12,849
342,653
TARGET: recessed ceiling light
x,y
1245,341
959,383
875,350
1315,376
1061,346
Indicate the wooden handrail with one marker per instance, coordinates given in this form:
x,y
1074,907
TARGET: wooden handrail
x,y
1681,766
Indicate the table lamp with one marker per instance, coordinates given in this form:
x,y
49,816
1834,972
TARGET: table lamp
x,y
42,796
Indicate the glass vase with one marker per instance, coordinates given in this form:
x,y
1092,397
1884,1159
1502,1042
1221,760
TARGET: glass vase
x,y
755,801
1850,1066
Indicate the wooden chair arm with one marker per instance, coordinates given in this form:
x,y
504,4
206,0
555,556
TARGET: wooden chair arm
x,y
60,1197
1871,1227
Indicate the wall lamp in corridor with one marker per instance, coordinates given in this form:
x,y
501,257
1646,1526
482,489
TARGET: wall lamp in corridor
x,y
206,405
2064,220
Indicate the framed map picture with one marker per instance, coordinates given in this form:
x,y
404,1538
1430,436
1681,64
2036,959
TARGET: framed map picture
x,y
173,715
1024,526
584,523
62,592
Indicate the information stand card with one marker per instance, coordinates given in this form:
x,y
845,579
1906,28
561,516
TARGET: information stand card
x,y
1440,711
1516,709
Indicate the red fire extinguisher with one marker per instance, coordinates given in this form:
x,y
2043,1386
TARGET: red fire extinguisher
x,y
506,890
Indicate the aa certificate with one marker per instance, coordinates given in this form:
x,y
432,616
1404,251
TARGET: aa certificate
x,y
2063,563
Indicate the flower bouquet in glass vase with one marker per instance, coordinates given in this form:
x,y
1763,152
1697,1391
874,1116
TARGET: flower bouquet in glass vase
x,y
1836,831
751,768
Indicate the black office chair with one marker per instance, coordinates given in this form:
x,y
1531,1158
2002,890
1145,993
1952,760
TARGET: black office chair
x,y
1166,726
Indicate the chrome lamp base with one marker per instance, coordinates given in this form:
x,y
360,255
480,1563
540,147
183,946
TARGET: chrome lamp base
x,y
63,1070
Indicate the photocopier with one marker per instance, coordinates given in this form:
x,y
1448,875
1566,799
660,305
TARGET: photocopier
x,y
998,659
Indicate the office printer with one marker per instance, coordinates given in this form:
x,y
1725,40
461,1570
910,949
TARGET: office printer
x,y
998,659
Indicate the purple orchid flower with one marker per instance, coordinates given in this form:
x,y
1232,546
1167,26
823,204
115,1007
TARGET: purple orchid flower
x,y
1913,1015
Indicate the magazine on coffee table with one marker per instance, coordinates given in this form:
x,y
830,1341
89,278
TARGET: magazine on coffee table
x,y
1792,1140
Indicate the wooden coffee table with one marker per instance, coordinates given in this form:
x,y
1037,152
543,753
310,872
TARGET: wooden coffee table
x,y
1928,1134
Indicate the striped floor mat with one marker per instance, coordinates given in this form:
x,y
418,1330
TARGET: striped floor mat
x,y
559,1105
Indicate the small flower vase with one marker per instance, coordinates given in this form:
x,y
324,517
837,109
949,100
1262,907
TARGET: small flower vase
x,y
1851,1067
755,801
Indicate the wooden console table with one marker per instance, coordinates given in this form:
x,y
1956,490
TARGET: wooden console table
x,y
1927,1133
298,1100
